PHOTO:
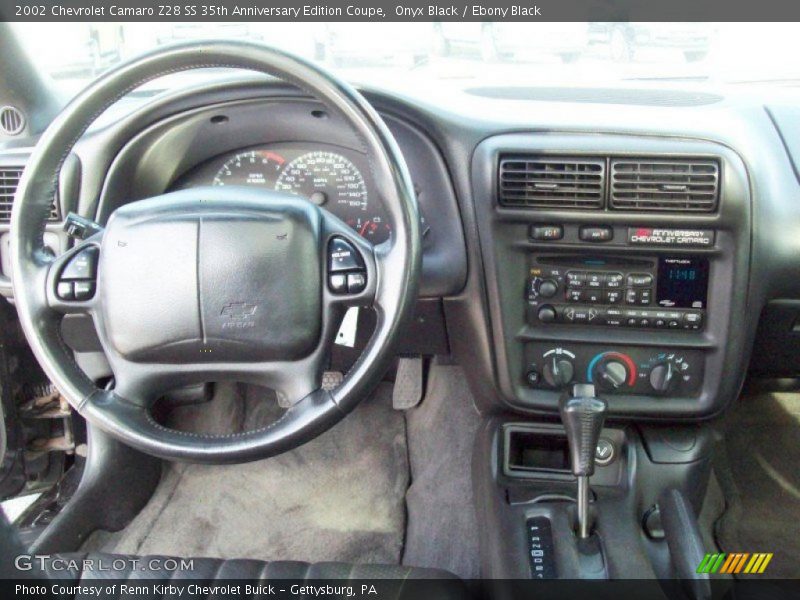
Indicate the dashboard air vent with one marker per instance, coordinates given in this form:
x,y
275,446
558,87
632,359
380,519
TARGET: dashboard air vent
x,y
9,180
12,121
551,182
664,185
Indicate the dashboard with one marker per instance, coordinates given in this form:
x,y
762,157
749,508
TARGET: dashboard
x,y
332,177
664,307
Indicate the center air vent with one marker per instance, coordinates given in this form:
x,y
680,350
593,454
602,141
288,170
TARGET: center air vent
x,y
664,185
551,182
9,180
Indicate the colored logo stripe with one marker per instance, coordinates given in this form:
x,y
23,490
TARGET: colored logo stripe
x,y
734,563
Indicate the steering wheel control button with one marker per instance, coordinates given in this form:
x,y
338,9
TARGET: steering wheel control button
x,y
604,453
543,233
346,271
337,283
77,280
65,290
84,290
342,256
83,265
356,282
596,234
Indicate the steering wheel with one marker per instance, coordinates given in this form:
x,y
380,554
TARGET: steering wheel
x,y
215,283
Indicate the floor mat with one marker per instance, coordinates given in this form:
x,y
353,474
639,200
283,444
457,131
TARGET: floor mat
x,y
442,525
339,497
760,478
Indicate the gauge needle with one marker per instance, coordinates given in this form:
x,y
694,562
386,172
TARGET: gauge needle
x,y
363,229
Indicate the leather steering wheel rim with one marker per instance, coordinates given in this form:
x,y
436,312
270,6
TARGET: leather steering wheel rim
x,y
395,265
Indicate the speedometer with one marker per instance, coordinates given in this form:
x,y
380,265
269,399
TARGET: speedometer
x,y
332,180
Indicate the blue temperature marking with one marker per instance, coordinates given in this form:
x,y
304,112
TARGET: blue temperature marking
x,y
590,368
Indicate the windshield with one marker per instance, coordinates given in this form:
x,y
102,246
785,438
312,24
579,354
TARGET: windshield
x,y
463,54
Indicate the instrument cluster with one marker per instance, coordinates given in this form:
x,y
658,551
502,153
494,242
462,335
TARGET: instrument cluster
x,y
329,176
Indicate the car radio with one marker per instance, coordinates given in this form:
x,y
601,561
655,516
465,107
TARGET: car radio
x,y
666,292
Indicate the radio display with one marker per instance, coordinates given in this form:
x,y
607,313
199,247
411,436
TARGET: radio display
x,y
682,282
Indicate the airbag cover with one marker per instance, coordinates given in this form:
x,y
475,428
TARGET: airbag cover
x,y
212,275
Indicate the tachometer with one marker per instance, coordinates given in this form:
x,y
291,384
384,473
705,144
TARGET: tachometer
x,y
256,167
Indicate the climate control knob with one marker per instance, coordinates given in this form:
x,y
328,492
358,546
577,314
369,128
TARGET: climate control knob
x,y
558,371
663,377
611,374
548,288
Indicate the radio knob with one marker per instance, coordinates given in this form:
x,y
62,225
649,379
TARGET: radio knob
x,y
611,374
662,377
547,314
558,372
548,288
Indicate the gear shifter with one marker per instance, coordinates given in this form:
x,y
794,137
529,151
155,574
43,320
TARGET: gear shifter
x,y
582,414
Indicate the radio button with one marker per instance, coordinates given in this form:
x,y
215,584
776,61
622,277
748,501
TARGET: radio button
x,y
575,295
576,279
645,297
595,280
594,296
613,280
640,280
612,296
692,320
631,297
660,323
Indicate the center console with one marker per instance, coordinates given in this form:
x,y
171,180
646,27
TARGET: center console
x,y
618,261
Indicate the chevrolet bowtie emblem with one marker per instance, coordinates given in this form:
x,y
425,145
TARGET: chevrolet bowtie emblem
x,y
238,311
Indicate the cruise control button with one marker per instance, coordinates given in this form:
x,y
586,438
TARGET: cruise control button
x,y
342,256
337,283
65,290
356,282
596,234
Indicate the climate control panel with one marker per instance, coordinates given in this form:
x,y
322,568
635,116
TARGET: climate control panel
x,y
624,370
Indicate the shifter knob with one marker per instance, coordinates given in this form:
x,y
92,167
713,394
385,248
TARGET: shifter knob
x,y
583,417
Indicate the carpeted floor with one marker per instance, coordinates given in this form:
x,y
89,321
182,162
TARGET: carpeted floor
x,y
758,472
442,525
339,497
